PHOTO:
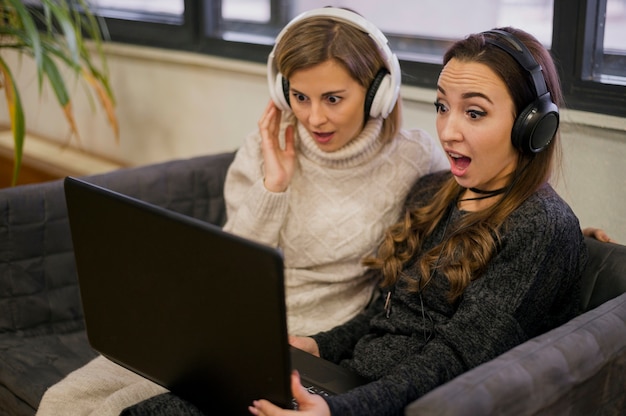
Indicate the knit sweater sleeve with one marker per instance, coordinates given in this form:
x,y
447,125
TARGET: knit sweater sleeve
x,y
252,211
529,287
438,159
338,343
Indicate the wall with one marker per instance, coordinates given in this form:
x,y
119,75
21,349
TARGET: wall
x,y
176,105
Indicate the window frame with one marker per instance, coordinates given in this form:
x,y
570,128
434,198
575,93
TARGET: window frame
x,y
581,90
154,31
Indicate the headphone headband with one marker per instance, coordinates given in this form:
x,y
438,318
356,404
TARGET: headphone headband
x,y
521,54
391,92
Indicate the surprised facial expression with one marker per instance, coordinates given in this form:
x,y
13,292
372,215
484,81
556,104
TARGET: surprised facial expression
x,y
329,103
475,116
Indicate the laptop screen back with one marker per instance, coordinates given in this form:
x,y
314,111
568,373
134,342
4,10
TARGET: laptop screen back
x,y
179,301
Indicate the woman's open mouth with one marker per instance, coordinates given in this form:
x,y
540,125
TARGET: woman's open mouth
x,y
458,163
322,138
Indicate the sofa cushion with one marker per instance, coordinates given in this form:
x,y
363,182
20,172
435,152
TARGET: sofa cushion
x,y
37,273
604,276
578,368
38,284
30,364
192,187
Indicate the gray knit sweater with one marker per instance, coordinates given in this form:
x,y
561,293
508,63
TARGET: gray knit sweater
x,y
530,286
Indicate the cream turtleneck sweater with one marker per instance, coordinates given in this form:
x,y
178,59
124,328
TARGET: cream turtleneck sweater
x,y
332,215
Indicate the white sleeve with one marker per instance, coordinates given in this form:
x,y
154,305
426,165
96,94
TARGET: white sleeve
x,y
438,158
252,211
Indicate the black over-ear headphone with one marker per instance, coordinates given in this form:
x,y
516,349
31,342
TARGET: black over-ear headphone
x,y
536,125
384,90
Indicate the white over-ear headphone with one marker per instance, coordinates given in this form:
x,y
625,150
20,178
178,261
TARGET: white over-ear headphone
x,y
384,90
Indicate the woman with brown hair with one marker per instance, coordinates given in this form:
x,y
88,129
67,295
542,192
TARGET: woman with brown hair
x,y
487,254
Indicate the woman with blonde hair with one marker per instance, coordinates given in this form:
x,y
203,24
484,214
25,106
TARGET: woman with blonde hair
x,y
321,179
330,165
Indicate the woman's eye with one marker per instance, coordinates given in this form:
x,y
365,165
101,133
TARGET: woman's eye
x,y
333,99
476,114
299,97
439,107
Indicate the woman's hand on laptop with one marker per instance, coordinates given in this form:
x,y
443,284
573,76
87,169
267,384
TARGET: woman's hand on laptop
x,y
308,403
307,344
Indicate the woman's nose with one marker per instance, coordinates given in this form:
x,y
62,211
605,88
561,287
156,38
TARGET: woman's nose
x,y
449,128
317,115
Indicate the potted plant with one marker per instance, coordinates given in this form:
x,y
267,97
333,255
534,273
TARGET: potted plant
x,y
54,35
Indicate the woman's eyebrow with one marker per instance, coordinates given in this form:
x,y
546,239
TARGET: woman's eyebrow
x,y
475,94
467,95
334,92
327,93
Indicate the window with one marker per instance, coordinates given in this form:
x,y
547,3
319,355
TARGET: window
x,y
161,23
607,53
163,11
590,46
416,34
247,10
587,37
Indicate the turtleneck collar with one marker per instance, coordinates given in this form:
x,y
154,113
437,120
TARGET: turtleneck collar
x,y
359,150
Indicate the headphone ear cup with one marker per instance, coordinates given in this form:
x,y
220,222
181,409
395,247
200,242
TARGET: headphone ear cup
x,y
536,125
380,97
279,93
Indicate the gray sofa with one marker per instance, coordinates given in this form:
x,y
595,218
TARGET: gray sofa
x,y
578,368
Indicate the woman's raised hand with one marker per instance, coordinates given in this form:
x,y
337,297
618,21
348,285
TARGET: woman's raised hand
x,y
279,163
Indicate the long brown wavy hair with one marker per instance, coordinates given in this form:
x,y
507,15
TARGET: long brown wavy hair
x,y
467,250
317,39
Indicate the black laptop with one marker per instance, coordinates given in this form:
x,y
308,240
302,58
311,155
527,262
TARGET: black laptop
x,y
193,308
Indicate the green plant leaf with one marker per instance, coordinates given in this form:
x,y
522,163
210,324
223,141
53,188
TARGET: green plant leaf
x,y
31,35
56,80
53,34
16,117
58,85
96,29
71,33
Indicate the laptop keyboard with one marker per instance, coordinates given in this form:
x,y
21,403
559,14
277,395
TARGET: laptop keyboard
x,y
317,390
313,390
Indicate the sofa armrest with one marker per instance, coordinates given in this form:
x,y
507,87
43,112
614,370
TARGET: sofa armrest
x,y
577,368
